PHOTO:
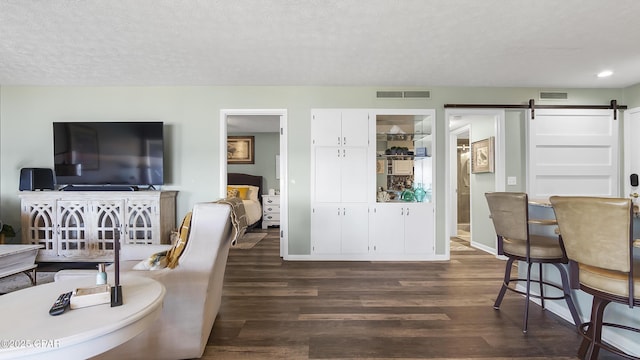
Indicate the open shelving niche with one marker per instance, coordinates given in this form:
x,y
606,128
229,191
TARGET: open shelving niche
x,y
397,171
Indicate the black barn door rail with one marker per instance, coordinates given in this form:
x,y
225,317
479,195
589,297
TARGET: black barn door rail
x,y
613,105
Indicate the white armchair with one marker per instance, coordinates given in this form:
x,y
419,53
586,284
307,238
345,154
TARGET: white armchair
x,y
194,289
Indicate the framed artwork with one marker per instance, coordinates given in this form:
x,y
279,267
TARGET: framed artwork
x,y
241,150
482,156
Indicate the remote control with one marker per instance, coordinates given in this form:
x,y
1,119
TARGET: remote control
x,y
61,304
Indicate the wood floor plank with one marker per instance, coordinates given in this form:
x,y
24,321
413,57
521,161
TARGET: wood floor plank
x,y
274,309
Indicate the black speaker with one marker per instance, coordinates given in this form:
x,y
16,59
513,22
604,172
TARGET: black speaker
x,y
36,179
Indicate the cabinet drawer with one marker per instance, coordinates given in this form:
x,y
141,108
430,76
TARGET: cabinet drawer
x,y
271,217
270,209
270,200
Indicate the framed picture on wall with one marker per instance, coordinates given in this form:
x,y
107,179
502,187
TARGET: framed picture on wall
x,y
482,154
241,150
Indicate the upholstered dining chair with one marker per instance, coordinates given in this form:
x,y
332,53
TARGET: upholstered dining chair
x,y
598,236
510,215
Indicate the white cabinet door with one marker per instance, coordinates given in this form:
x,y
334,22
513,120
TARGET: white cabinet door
x,y
354,182
340,174
355,229
419,229
39,225
327,174
403,228
355,127
326,127
388,229
141,226
339,230
325,229
340,127
73,228
107,226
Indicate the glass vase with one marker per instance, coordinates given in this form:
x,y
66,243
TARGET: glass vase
x,y
419,193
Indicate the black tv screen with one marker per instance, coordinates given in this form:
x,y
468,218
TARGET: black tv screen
x,y
108,153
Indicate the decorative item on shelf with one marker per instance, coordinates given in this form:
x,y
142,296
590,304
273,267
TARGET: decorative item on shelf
x,y
407,195
6,231
383,196
419,192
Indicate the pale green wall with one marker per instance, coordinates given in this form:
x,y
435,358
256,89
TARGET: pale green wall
x,y
267,146
192,115
632,96
481,227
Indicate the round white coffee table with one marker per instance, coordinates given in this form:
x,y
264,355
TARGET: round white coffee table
x,y
27,331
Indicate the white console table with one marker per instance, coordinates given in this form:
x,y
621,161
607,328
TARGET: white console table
x,y
82,225
29,332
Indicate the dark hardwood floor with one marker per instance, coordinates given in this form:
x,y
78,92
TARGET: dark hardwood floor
x,y
274,309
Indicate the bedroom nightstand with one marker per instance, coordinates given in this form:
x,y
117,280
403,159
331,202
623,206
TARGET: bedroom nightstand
x,y
270,210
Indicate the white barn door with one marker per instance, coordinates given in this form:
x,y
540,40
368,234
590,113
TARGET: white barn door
x,y
573,152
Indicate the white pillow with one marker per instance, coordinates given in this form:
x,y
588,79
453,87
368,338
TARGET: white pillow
x,y
253,193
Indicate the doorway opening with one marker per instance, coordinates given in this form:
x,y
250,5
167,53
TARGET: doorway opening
x,y
467,215
268,129
463,157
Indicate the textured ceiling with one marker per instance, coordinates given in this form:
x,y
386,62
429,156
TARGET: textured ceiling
x,y
534,43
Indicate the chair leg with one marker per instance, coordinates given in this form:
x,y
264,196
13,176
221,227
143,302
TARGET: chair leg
x,y
567,295
541,278
505,283
527,298
589,349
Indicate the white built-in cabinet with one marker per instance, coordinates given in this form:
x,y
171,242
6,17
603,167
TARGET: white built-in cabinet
x,y
340,151
340,173
403,229
347,221
340,229
84,225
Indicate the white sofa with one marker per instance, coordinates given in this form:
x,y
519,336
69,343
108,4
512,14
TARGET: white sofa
x,y
194,289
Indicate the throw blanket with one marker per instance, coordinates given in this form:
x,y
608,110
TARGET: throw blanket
x,y
238,217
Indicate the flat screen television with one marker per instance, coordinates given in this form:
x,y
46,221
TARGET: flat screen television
x,y
108,153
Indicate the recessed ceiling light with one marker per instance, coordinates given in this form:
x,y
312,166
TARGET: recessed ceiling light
x,y
605,73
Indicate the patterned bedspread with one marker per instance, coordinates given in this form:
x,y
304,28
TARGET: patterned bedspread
x,y
238,217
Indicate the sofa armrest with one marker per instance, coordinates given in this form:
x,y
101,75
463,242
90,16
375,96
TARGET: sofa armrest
x,y
141,252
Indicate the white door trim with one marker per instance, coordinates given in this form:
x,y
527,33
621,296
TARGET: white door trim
x,y
284,203
453,167
630,161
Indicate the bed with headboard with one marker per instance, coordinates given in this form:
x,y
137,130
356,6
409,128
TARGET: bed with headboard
x,y
251,197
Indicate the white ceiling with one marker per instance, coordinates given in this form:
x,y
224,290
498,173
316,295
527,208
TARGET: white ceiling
x,y
536,43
